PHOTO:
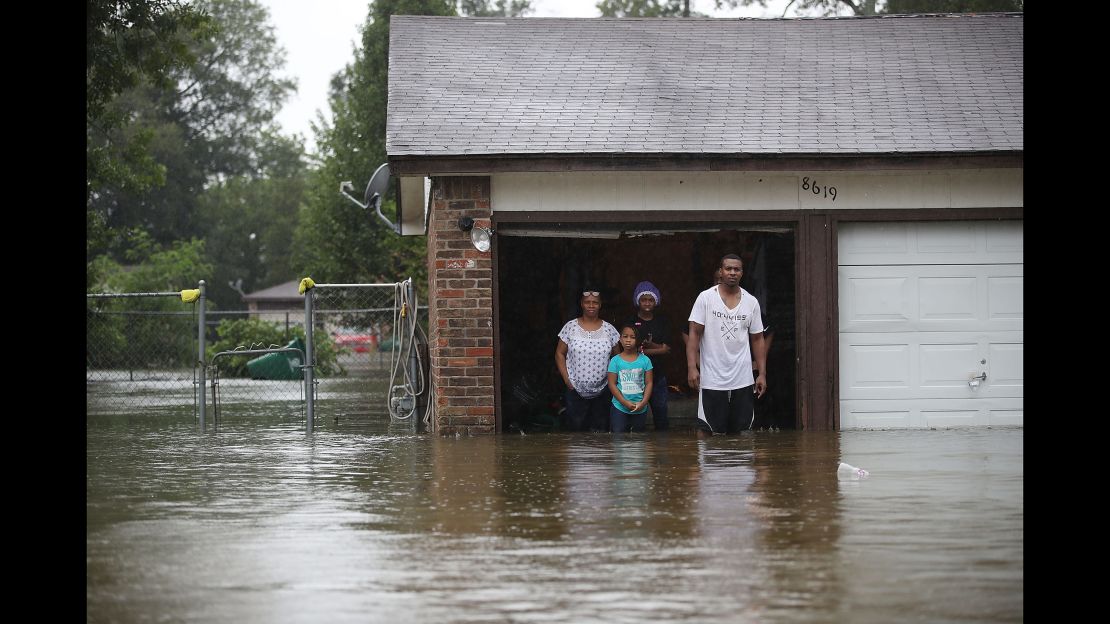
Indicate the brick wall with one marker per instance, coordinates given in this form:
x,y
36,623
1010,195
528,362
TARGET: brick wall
x,y
460,290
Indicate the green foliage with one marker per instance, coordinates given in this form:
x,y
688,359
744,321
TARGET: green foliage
x,y
194,153
178,267
259,334
105,341
199,124
150,333
337,241
140,334
249,222
128,41
644,8
826,8
496,8
952,6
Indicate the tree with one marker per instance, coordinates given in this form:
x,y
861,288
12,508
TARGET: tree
x,y
208,126
336,240
202,123
155,269
116,336
952,6
248,223
128,42
497,8
645,8
871,7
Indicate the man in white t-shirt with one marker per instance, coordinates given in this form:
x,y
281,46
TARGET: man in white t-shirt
x,y
726,328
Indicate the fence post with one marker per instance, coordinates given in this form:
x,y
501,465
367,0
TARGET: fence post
x,y
414,362
200,358
309,358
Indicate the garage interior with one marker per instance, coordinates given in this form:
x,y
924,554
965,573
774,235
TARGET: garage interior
x,y
541,269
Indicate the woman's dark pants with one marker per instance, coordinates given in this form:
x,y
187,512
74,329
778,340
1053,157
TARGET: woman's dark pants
x,y
588,414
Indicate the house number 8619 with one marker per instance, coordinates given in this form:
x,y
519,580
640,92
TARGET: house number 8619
x,y
826,191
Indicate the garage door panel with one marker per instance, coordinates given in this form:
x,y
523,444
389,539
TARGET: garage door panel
x,y
1005,240
948,365
880,301
1007,417
940,413
1006,365
863,416
878,366
947,298
950,242
931,365
952,418
864,243
938,244
1006,298
931,298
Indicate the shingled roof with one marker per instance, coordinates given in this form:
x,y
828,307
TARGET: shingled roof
x,y
836,86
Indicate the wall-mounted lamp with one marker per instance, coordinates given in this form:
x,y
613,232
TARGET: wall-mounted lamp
x,y
479,236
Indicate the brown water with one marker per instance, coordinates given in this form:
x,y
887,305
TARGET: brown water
x,y
364,522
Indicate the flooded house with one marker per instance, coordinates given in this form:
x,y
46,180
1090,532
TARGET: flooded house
x,y
868,170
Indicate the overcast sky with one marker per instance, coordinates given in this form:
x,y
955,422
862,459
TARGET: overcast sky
x,y
319,38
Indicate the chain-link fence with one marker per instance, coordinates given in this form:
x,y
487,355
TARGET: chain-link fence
x,y
362,343
264,381
140,352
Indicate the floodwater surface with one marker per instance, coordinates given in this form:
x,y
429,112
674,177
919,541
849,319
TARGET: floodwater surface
x,y
366,522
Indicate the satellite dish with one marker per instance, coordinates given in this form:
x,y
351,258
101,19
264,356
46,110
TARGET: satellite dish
x,y
378,185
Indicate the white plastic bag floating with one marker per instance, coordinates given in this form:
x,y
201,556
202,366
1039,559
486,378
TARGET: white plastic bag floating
x,y
850,472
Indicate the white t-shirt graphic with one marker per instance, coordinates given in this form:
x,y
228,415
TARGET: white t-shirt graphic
x,y
726,356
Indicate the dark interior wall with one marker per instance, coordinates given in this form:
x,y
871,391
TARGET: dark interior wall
x,y
540,282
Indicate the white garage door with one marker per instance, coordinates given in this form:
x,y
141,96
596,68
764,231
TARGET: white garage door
x,y
931,318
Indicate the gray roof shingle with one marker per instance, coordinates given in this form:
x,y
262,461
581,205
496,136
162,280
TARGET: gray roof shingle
x,y
531,86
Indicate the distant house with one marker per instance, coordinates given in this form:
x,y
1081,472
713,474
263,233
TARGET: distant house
x,y
869,170
280,303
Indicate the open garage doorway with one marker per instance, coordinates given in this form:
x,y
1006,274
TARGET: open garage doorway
x,y
542,267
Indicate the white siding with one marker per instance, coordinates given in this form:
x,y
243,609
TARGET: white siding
x,y
742,190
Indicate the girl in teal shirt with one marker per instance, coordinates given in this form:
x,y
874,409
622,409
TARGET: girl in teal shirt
x,y
630,383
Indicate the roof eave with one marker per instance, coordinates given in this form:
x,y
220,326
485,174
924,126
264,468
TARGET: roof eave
x,y
477,164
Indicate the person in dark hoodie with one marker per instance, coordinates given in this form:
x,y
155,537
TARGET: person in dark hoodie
x,y
653,336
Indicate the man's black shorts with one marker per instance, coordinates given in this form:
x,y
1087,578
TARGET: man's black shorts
x,y
726,411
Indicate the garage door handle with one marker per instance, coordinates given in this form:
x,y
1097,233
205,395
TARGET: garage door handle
x,y
974,381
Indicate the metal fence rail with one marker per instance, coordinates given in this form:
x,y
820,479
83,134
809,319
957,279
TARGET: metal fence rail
x,y
357,346
240,380
362,347
141,351
282,396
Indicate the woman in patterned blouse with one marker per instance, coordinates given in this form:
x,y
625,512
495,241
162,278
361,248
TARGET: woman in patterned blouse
x,y
582,357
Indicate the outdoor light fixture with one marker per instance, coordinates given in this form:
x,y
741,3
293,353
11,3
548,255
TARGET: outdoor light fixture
x,y
479,236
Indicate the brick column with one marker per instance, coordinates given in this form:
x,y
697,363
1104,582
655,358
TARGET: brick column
x,y
460,292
